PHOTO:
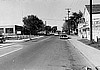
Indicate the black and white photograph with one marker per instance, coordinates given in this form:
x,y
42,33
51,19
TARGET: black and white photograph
x,y
49,34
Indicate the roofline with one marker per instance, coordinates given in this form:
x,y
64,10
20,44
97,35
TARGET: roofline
x,y
9,25
92,11
92,4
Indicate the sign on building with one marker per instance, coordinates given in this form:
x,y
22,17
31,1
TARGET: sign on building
x,y
18,32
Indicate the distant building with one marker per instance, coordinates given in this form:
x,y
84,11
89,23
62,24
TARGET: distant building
x,y
11,30
84,27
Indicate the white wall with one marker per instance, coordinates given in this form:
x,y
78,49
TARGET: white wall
x,y
95,30
8,26
87,16
87,21
96,16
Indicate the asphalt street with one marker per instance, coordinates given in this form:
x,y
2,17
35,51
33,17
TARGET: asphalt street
x,y
50,53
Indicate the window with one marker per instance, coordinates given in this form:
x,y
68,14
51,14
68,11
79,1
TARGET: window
x,y
1,30
97,22
88,29
9,30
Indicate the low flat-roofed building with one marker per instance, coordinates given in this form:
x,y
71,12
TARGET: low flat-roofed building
x,y
11,29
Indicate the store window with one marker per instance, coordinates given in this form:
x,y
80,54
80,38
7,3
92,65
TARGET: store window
x,y
1,30
9,30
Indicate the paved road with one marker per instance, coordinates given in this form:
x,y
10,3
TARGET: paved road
x,y
50,53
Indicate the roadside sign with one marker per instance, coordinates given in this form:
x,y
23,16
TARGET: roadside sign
x,y
18,32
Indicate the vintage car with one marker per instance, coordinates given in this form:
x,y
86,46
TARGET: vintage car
x,y
63,36
2,39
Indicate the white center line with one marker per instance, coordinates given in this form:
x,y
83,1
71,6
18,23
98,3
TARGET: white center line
x,y
10,52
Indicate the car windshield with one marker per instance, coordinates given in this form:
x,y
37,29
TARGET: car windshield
x,y
64,35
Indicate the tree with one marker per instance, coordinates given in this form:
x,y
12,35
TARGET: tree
x,y
74,20
47,29
33,24
54,29
65,26
72,23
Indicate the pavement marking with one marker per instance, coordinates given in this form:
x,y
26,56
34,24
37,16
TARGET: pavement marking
x,y
10,52
2,46
17,49
44,39
8,46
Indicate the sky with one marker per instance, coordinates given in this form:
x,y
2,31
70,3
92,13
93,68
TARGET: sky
x,y
51,11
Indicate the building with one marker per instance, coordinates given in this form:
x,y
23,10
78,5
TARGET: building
x,y
11,30
84,27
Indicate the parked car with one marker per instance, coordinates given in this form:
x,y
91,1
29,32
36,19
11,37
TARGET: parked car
x,y
56,34
63,36
2,39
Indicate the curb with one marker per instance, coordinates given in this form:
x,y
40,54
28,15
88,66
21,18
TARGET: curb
x,y
94,59
85,55
14,43
8,45
18,42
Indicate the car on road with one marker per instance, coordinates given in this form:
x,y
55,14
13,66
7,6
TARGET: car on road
x,y
56,34
63,36
2,39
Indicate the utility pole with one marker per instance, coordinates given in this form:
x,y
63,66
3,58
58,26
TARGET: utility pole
x,y
45,23
65,18
91,21
68,10
45,27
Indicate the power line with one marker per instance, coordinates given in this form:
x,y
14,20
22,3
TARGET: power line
x,y
52,19
71,4
77,3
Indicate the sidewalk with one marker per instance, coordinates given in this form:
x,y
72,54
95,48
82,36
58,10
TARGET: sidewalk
x,y
12,42
92,54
